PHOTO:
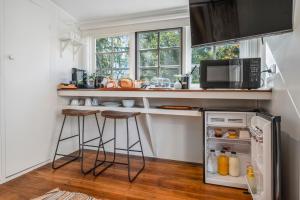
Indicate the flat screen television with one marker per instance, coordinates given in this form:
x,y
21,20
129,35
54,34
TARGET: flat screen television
x,y
217,21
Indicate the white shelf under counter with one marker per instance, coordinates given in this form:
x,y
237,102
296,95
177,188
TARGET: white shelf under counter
x,y
194,113
158,111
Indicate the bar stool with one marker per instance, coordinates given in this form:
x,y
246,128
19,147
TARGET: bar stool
x,y
81,144
120,115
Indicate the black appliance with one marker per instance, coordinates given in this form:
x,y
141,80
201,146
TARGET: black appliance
x,y
79,77
185,81
215,21
234,73
98,81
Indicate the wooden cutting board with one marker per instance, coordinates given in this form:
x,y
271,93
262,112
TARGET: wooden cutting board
x,y
174,107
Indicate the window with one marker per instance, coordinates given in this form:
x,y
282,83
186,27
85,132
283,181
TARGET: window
x,y
159,54
227,51
112,56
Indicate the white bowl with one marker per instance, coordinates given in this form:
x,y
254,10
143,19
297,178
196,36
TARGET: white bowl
x,y
128,103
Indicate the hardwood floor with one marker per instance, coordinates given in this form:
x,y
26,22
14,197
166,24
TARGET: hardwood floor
x,y
160,180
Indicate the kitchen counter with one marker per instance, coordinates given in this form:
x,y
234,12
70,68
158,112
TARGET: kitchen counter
x,y
149,99
259,94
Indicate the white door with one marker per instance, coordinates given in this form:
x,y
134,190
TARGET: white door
x,y
27,86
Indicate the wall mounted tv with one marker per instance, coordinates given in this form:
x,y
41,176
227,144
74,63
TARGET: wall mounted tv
x,y
215,21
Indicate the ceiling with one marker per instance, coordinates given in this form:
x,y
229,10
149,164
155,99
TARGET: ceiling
x,y
85,10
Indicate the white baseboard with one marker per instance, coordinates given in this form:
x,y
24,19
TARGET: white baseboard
x,y
6,179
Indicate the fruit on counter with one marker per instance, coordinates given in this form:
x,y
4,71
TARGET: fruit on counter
x,y
218,132
111,84
126,83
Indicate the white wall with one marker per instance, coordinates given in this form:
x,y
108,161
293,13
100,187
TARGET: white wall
x,y
38,56
286,101
1,91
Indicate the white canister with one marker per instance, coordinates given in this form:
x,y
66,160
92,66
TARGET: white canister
x,y
177,85
95,102
88,102
234,165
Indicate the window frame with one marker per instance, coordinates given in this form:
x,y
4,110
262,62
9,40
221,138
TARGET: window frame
x,y
137,75
214,50
112,54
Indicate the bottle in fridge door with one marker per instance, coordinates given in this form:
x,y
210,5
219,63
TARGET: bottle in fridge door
x,y
212,162
251,139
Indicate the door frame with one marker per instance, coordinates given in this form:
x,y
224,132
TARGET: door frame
x,y
2,113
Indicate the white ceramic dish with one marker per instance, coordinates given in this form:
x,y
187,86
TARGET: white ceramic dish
x,y
111,104
128,103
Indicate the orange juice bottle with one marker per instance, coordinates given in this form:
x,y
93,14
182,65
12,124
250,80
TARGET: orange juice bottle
x,y
223,164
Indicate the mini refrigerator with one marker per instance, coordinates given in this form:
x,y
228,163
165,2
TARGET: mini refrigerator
x,y
242,150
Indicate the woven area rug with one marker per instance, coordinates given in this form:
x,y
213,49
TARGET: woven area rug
x,y
57,194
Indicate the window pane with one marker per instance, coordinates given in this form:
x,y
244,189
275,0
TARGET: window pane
x,y
120,43
170,38
196,76
170,57
148,40
228,51
120,60
105,72
148,74
148,58
117,74
202,53
104,61
169,73
104,45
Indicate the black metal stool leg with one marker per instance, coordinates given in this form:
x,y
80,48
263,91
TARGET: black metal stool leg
x,y
101,144
138,132
79,134
115,139
131,179
57,145
82,150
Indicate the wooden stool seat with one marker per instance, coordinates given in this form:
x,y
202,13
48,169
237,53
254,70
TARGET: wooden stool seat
x,y
74,112
118,115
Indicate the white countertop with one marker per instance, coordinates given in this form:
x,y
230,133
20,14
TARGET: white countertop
x,y
170,93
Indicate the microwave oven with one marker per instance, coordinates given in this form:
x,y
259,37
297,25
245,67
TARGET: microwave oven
x,y
234,73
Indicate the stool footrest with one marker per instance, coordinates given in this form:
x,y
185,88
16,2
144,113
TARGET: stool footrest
x,y
134,144
88,145
91,140
69,156
101,145
128,150
68,138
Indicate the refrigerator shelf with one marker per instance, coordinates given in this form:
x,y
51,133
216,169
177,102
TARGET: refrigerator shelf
x,y
238,182
226,126
230,140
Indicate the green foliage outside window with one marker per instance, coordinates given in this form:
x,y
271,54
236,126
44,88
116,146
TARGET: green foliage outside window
x,y
159,54
227,51
112,56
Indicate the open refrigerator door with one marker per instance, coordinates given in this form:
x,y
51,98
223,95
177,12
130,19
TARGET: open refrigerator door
x,y
242,151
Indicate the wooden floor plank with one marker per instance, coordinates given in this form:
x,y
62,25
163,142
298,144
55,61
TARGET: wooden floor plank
x,y
161,179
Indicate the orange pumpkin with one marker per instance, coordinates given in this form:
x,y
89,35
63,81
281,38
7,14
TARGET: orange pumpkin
x,y
125,83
